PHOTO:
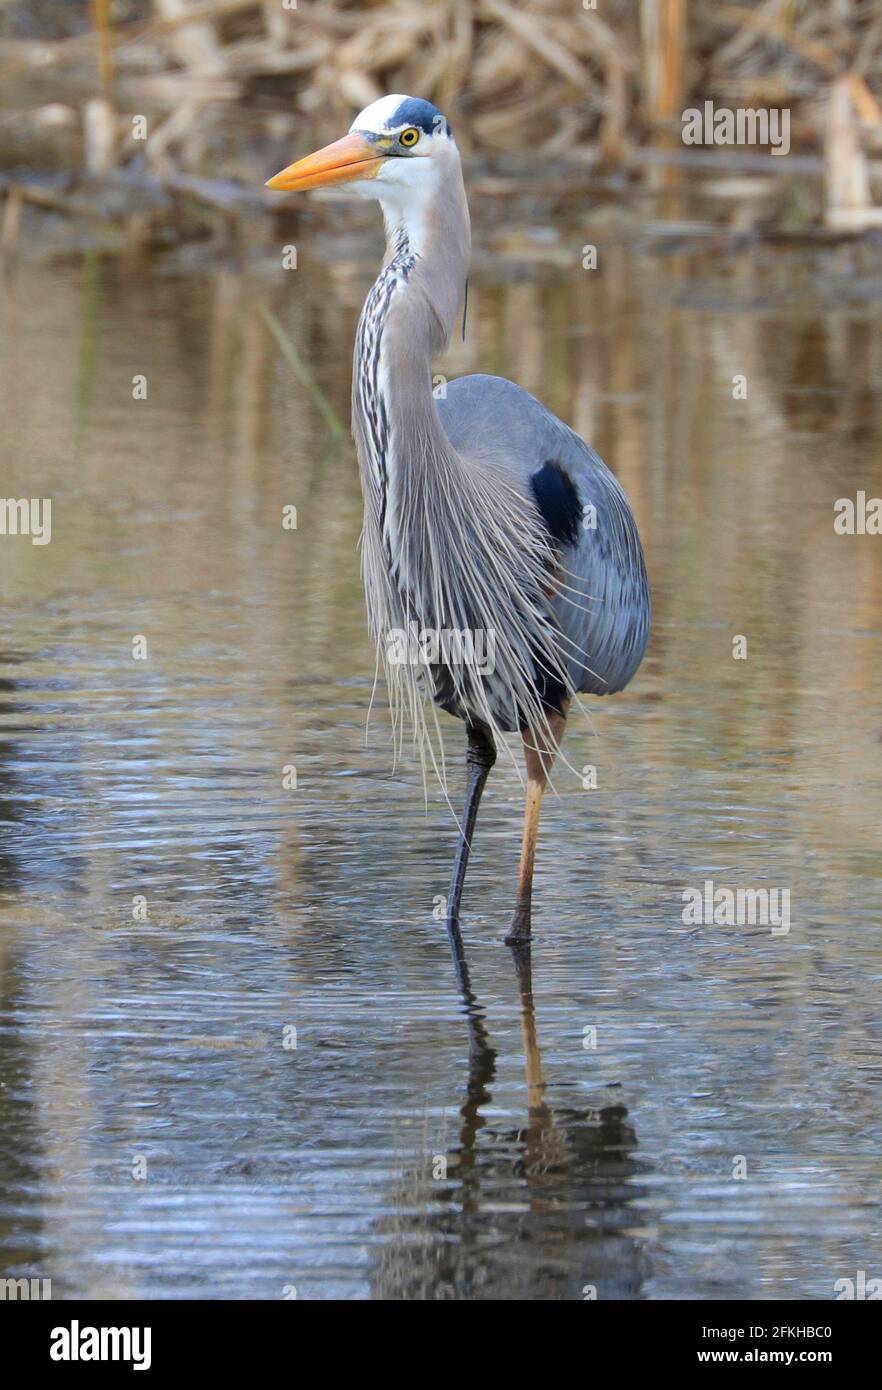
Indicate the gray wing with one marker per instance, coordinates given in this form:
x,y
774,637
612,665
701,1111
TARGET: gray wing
x,y
605,613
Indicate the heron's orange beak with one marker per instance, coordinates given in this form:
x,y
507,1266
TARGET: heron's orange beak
x,y
348,159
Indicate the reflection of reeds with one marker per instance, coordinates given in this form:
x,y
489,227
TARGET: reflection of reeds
x,y
304,375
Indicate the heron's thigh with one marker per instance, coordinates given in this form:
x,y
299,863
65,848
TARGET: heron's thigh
x,y
540,750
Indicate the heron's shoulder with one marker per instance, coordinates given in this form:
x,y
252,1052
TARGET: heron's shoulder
x,y
477,410
488,411
481,389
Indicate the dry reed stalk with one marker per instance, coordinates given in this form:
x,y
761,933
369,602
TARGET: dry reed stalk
x,y
535,36
277,22
99,118
770,21
11,225
194,45
664,35
101,23
99,135
847,179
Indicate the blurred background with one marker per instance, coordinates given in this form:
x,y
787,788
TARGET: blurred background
x,y
141,118
170,904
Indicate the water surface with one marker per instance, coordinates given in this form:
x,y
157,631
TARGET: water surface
x,y
236,1060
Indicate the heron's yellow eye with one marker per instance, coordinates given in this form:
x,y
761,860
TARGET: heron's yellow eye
x,y
409,137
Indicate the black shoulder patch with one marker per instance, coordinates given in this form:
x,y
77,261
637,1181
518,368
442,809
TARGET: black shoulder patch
x,y
558,501
422,114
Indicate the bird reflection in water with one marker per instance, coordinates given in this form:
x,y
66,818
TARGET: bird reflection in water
x,y
565,1182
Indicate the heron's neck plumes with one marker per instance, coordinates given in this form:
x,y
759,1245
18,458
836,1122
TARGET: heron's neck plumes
x,y
449,544
407,319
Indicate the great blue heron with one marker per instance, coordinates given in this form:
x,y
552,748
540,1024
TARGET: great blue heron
x,y
492,532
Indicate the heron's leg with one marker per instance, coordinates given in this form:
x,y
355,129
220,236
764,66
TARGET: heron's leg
x,y
539,754
480,757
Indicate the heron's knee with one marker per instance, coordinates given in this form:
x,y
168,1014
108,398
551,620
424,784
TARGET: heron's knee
x,y
481,750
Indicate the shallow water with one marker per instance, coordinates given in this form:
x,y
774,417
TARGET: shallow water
x,y
171,910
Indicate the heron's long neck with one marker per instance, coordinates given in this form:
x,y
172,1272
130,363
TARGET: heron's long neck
x,y
407,320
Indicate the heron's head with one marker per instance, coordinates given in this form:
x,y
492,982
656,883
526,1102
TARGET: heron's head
x,y
399,150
